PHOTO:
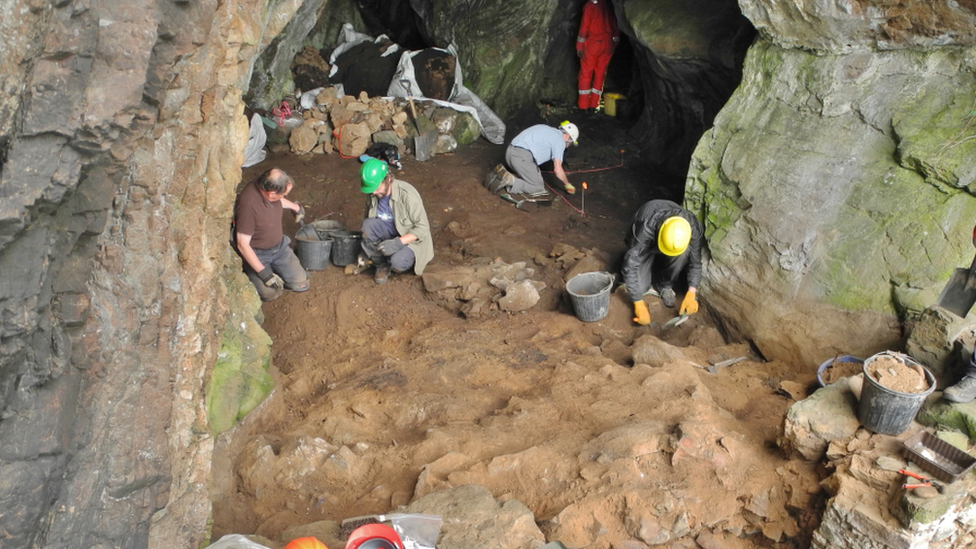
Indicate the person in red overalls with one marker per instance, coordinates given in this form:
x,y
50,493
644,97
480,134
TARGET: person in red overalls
x,y
597,38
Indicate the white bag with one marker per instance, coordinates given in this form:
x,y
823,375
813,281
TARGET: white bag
x,y
254,152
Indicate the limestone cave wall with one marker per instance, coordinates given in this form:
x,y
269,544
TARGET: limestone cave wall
x,y
122,135
837,184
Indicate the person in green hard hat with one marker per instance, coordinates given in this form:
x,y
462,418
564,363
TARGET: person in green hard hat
x,y
396,233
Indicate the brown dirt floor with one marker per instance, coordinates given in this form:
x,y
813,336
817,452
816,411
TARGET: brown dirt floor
x,y
403,380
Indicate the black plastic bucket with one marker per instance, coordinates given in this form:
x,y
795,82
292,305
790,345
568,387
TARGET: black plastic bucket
x,y
885,411
313,253
325,228
590,294
346,246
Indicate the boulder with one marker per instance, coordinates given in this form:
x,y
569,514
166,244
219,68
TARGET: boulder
x,y
828,415
473,518
519,296
353,139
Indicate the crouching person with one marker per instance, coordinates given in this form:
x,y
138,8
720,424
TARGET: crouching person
x,y
396,233
269,262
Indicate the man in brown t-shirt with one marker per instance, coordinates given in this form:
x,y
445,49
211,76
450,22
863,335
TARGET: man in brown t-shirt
x,y
269,262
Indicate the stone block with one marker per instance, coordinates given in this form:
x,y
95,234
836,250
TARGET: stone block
x,y
340,115
828,415
303,139
654,352
472,515
444,144
466,129
519,296
390,137
353,139
933,338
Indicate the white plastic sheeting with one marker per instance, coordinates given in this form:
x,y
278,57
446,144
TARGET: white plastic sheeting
x,y
350,38
461,99
254,152
235,541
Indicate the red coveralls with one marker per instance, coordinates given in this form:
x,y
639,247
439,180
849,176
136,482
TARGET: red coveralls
x,y
597,38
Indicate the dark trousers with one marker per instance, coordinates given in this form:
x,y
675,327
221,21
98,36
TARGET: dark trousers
x,y
661,271
376,231
285,264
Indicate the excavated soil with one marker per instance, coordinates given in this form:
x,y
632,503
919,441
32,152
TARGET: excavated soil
x,y
536,406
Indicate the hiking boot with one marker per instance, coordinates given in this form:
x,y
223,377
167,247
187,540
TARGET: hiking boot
x,y
298,288
541,195
508,178
382,274
495,180
668,297
962,392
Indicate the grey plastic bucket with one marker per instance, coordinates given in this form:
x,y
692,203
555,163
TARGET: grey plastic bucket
x,y
346,246
313,253
885,411
590,294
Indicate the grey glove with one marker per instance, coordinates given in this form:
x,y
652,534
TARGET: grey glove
x,y
270,279
390,247
300,214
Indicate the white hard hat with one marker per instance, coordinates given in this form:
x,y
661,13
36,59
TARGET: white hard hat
x,y
570,129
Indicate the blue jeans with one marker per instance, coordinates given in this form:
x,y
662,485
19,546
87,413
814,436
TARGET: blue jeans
x,y
284,263
376,231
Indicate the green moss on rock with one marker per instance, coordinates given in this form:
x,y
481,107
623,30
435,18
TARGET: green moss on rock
x,y
240,379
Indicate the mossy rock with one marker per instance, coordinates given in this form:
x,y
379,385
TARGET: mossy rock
x,y
466,130
240,379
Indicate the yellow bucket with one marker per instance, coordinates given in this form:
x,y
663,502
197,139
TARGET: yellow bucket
x,y
610,103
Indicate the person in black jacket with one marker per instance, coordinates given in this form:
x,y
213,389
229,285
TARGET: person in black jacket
x,y
665,240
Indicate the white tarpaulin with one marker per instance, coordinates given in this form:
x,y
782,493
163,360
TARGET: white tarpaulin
x,y
462,99
254,152
350,38
235,541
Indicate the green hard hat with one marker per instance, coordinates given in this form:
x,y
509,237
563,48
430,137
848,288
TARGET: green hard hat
x,y
374,172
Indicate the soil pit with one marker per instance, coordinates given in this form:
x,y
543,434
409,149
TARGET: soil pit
x,y
607,431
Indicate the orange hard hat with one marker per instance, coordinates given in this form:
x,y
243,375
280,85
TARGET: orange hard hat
x,y
305,543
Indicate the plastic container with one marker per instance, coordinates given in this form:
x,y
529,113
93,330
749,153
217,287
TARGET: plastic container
x,y
325,228
346,246
590,294
312,252
826,364
937,457
885,411
610,103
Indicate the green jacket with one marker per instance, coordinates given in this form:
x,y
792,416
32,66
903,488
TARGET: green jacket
x,y
409,217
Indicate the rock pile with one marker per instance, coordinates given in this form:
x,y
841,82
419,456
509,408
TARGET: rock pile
x,y
349,125
485,285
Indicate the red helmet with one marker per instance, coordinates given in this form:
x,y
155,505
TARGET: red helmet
x,y
305,543
374,536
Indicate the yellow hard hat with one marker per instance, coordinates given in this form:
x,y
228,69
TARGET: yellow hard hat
x,y
674,236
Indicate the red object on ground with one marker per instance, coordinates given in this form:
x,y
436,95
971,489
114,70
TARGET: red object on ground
x,y
374,536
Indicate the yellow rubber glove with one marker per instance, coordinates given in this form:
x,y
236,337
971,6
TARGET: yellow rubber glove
x,y
643,316
689,305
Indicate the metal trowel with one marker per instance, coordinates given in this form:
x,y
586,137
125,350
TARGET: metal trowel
x,y
959,293
676,321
